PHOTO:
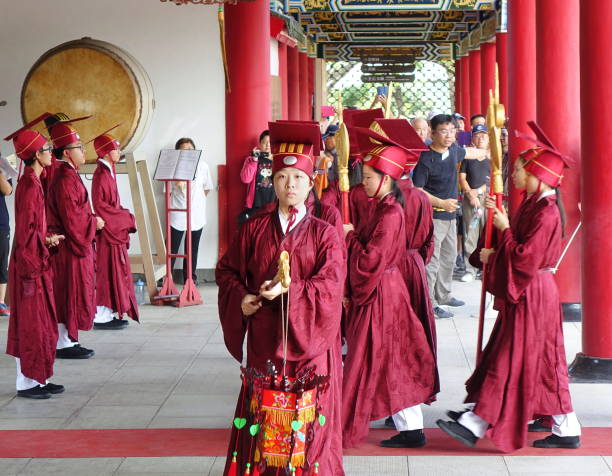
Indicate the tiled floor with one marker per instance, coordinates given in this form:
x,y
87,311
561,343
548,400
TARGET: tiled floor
x,y
172,371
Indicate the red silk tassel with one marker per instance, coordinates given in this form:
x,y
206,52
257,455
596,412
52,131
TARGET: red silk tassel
x,y
233,471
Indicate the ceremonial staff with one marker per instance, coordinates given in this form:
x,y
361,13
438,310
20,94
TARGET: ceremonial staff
x,y
343,149
496,118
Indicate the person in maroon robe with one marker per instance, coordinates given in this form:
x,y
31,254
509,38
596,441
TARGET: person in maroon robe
x,y
522,371
418,216
69,213
32,331
314,296
389,368
114,285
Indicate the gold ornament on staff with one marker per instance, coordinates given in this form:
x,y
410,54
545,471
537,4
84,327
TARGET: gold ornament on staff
x,y
343,152
496,119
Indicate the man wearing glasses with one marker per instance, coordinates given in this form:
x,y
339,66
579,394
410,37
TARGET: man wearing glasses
x,y
436,174
69,213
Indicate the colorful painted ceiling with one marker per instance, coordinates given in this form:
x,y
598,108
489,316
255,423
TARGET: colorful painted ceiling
x,y
352,30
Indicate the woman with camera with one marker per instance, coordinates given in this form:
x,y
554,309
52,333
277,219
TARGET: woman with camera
x,y
256,173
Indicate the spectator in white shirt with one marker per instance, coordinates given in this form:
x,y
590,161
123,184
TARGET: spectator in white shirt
x,y
200,187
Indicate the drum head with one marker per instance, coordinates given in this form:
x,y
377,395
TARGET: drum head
x,y
90,77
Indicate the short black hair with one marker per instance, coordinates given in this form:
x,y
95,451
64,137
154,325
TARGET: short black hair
x,y
263,135
59,152
441,119
184,140
476,116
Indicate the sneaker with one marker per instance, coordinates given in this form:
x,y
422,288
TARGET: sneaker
x,y
467,278
4,310
111,325
459,432
54,388
406,439
452,302
74,352
442,313
538,426
554,441
36,393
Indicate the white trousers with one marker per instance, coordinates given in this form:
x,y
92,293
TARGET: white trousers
x,y
63,340
23,382
410,418
103,314
563,425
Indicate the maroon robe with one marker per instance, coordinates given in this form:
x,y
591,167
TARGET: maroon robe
x,y
114,286
389,365
523,371
361,207
317,275
332,196
69,214
32,332
418,216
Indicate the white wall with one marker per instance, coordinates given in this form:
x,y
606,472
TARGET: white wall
x,y
178,46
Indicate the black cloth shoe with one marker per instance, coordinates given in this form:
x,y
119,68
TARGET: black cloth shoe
x,y
406,439
459,432
452,302
453,415
389,422
74,352
111,325
538,427
554,441
442,313
54,388
37,393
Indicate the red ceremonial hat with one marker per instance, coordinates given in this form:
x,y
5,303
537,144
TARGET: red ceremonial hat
x,y
105,143
359,118
544,161
402,132
295,144
63,134
27,141
382,153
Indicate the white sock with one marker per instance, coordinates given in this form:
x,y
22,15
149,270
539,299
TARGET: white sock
x,y
63,341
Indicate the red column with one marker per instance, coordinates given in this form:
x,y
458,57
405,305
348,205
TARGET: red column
x,y
282,72
595,361
303,87
521,82
475,83
487,77
311,88
558,61
501,53
458,85
293,82
247,106
465,90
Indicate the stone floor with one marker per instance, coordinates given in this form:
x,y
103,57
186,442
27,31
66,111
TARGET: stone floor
x,y
173,371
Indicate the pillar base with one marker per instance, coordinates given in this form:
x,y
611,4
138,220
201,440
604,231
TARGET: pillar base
x,y
585,369
572,311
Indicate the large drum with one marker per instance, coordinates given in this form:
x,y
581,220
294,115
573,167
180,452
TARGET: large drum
x,y
86,77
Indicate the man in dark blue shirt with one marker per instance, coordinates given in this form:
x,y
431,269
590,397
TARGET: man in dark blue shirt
x,y
437,175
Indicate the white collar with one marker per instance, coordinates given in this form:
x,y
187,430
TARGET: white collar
x,y
108,165
547,193
67,162
301,213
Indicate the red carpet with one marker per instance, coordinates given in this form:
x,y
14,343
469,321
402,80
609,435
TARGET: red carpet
x,y
213,442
